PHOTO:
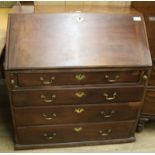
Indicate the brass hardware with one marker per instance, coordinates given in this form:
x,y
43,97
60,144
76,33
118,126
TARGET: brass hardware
x,y
78,129
80,77
110,98
80,94
110,114
145,77
79,110
13,83
105,133
112,80
49,116
47,82
49,137
48,100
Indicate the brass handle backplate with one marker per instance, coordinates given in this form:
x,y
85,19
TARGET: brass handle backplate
x,y
78,129
79,110
80,94
47,82
111,80
110,98
49,137
44,98
103,134
80,77
109,114
49,116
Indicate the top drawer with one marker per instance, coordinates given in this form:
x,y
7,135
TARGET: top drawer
x,y
76,78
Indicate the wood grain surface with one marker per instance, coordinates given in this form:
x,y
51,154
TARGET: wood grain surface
x,y
59,41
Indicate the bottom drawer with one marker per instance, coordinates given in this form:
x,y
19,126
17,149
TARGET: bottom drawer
x,y
74,133
149,102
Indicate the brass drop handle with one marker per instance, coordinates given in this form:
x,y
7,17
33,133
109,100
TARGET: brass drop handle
x,y
110,98
145,77
49,137
104,134
47,82
49,116
111,80
44,98
80,94
79,110
78,129
80,77
109,114
13,83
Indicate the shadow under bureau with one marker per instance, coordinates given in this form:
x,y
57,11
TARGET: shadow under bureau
x,y
76,78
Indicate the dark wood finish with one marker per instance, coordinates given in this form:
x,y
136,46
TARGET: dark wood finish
x,y
1,70
96,48
73,133
78,78
150,24
85,45
148,11
149,106
2,57
27,3
76,144
74,114
141,123
151,81
78,95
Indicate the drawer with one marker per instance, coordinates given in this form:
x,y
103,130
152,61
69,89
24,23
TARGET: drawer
x,y
76,114
77,78
152,76
149,102
74,133
77,95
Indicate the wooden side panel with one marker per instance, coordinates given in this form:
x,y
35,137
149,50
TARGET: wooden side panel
x,y
149,106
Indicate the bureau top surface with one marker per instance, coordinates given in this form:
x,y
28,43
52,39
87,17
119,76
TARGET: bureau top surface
x,y
72,40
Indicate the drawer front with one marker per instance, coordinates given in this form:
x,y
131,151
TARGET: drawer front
x,y
149,102
74,133
84,95
77,78
152,76
76,114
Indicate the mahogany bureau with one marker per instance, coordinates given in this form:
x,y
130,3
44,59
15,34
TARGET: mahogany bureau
x,y
76,78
